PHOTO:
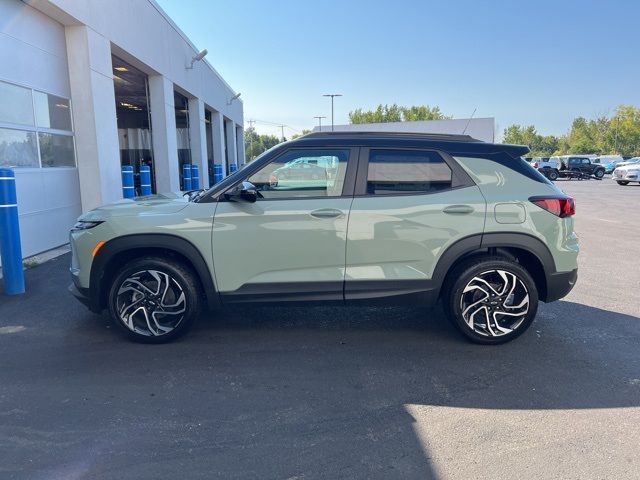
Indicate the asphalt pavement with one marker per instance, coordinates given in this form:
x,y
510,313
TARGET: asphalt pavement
x,y
335,392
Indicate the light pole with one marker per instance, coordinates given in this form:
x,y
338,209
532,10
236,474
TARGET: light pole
x,y
320,122
332,95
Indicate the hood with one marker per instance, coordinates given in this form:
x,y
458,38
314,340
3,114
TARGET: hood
x,y
629,166
149,205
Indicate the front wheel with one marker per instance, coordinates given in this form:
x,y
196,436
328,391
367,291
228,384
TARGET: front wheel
x,y
154,300
599,173
552,175
621,182
491,300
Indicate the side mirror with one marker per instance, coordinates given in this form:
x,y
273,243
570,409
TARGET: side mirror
x,y
244,192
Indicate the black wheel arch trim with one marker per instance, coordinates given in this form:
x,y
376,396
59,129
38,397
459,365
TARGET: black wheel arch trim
x,y
170,242
473,243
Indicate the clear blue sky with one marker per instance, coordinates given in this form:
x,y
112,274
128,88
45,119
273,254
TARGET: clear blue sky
x,y
537,62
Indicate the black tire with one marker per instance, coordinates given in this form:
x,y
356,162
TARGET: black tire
x,y
552,175
599,173
622,182
453,297
183,296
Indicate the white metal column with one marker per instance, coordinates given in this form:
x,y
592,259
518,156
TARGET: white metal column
x,y
165,143
217,130
94,111
231,142
198,139
240,145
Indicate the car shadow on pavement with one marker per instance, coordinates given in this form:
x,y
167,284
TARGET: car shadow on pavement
x,y
280,392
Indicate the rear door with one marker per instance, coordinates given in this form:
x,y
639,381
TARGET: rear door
x,y
410,205
290,244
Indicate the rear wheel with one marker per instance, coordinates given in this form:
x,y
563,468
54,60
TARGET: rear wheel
x,y
622,182
491,300
154,300
599,173
552,175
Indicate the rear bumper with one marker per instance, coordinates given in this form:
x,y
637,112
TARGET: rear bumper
x,y
559,285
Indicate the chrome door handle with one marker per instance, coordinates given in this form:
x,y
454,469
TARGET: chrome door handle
x,y
458,209
326,213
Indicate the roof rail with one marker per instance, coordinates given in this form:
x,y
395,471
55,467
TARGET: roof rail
x,y
430,136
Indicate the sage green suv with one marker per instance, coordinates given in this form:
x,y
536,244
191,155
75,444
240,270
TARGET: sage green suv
x,y
394,217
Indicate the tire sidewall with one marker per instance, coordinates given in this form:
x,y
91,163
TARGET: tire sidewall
x,y
176,271
473,269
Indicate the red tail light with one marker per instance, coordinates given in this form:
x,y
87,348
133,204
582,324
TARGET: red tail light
x,y
559,206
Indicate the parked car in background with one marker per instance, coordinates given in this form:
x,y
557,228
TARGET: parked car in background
x,y
631,161
569,166
609,162
411,218
627,173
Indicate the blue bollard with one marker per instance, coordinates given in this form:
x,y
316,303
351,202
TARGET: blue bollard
x,y
233,168
10,248
186,177
195,177
145,180
128,191
217,173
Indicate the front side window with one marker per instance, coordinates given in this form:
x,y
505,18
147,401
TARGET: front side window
x,y
303,173
406,171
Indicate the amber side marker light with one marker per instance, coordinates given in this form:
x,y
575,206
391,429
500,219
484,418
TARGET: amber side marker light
x,y
97,248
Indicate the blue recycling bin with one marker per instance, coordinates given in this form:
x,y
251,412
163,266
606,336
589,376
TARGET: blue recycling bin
x,y
217,173
195,177
233,168
186,177
128,190
145,180
10,248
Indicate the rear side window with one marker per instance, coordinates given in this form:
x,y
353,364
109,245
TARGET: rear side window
x,y
394,172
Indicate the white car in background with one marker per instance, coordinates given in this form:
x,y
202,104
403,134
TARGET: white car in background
x,y
626,174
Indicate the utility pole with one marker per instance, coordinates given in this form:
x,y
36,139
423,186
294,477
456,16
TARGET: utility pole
x,y
282,130
320,122
251,122
332,95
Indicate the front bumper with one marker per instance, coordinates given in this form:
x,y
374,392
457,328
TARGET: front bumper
x,y
81,294
559,285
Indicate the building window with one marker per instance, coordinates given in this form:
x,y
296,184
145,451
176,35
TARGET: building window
x,y
52,111
56,150
36,129
18,148
17,106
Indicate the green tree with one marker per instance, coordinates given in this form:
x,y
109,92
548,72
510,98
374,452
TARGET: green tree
x,y
298,135
396,113
540,145
255,144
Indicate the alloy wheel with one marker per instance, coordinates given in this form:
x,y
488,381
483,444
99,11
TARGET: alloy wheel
x,y
151,303
494,303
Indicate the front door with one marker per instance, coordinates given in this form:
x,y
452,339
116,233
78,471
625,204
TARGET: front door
x,y
290,244
410,206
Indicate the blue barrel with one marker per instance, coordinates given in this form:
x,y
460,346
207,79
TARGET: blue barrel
x,y
145,180
10,249
217,173
233,167
186,177
195,177
128,191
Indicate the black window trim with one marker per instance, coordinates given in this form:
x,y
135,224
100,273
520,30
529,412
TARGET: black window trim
x,y
349,176
459,177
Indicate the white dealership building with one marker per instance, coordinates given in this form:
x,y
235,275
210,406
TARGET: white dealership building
x,y
89,86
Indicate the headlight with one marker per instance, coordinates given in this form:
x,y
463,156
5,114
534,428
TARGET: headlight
x,y
85,225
